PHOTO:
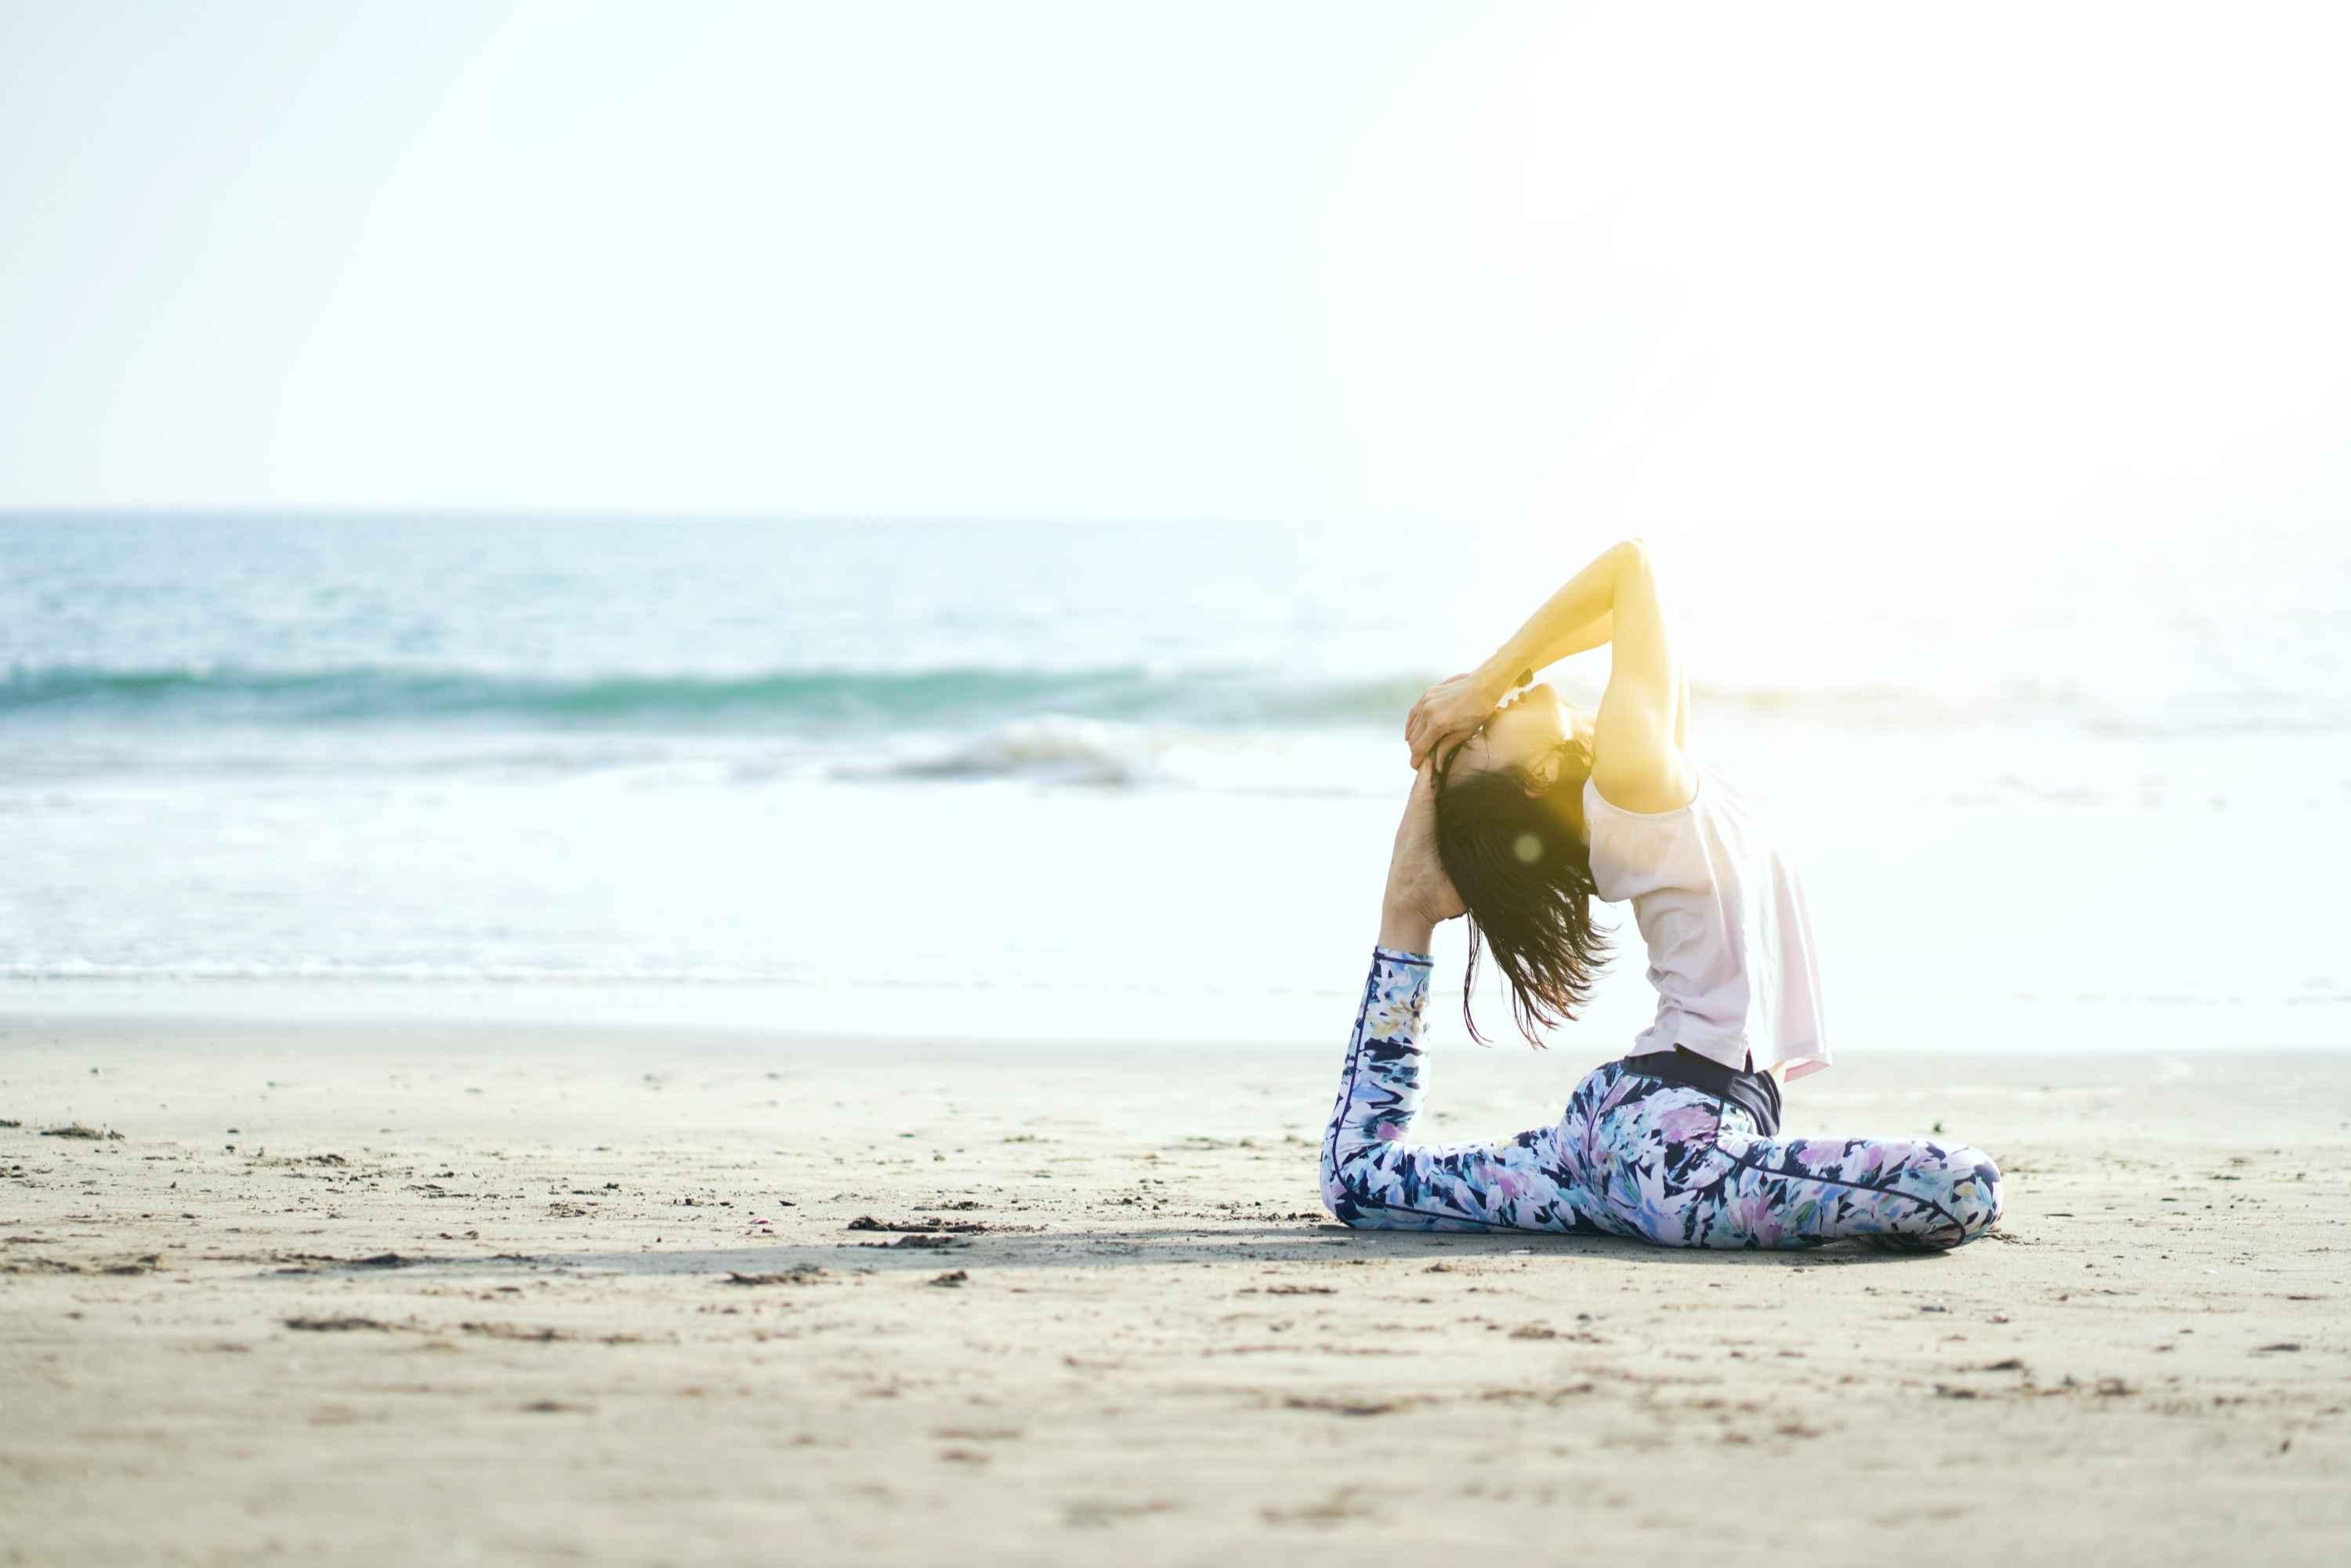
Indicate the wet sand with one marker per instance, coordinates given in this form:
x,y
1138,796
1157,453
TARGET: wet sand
x,y
426,1293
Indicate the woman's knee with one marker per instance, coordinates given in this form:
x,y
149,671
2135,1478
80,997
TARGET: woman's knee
x,y
1972,1182
1962,1186
1338,1196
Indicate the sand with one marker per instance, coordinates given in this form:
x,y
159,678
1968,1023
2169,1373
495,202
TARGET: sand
x,y
426,1293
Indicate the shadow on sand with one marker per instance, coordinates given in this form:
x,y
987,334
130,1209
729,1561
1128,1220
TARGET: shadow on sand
x,y
1093,1248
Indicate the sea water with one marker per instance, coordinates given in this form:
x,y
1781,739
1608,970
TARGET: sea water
x,y
2049,789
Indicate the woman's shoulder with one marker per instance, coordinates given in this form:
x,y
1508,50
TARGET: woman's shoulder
x,y
1635,852
1659,794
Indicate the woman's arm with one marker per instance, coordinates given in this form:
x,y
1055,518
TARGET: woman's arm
x,y
1418,893
1636,754
1613,600
1597,631
1581,615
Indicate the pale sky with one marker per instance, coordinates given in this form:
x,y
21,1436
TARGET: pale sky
x,y
1642,263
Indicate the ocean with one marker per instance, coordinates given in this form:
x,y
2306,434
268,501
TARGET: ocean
x,y
1062,781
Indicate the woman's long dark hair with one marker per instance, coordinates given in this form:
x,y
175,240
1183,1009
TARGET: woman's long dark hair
x,y
1511,853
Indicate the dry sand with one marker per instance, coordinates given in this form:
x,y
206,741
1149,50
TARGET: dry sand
x,y
441,1294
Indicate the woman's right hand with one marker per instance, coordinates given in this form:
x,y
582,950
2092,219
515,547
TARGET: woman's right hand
x,y
1449,712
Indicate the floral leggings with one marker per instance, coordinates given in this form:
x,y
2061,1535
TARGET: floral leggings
x,y
1634,1155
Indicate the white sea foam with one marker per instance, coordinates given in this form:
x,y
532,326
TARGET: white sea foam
x,y
1054,750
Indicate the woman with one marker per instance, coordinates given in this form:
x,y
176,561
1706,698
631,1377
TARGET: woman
x,y
1523,813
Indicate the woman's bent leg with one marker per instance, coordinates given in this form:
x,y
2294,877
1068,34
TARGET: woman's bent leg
x,y
1903,1193
1687,1169
1373,1177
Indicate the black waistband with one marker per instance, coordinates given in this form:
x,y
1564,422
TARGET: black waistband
x,y
1758,1093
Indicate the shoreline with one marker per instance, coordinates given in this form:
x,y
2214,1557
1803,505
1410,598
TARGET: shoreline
x,y
1073,1013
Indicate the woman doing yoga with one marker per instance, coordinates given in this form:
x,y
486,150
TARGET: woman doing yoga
x,y
1520,815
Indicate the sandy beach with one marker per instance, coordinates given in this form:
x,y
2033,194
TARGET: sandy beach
x,y
706,711
445,1293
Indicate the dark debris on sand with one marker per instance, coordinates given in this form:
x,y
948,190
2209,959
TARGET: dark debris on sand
x,y
144,1263
545,1335
77,1130
376,1260
339,1325
797,1274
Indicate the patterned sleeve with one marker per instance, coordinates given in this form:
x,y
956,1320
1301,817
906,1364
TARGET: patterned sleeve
x,y
1370,1175
1394,996
1380,1089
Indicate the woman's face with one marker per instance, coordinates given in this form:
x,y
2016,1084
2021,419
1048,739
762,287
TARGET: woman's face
x,y
1527,732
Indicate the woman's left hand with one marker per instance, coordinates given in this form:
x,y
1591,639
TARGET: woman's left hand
x,y
1448,713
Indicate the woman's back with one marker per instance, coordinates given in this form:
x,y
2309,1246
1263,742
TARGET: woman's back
x,y
1723,916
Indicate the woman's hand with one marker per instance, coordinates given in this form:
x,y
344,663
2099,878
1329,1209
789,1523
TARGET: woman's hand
x,y
1419,894
1449,712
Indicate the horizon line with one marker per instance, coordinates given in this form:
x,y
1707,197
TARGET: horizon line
x,y
23,512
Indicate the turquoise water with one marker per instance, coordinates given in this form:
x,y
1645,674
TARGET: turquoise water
x,y
1122,781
